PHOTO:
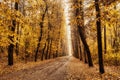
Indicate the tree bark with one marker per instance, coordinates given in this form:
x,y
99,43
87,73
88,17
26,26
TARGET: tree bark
x,y
47,51
50,49
43,52
85,56
17,45
81,57
105,42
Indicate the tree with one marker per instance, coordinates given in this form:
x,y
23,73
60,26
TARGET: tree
x,y
11,37
41,32
99,38
31,30
80,26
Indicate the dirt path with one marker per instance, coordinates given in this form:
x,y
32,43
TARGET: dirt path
x,y
52,70
65,68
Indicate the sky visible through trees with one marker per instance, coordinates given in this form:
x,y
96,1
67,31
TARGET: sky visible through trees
x,y
68,29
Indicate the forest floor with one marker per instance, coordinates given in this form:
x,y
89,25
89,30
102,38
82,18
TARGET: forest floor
x,y
62,68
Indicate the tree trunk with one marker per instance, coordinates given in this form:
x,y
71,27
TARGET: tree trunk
x,y
17,45
10,54
80,26
11,46
26,52
76,49
81,58
41,34
50,49
85,56
48,39
56,54
99,38
105,43
85,46
47,51
43,51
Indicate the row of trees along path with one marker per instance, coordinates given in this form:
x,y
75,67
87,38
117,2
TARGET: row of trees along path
x,y
36,30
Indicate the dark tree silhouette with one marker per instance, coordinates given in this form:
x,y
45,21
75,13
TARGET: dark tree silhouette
x,y
11,46
80,26
99,38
